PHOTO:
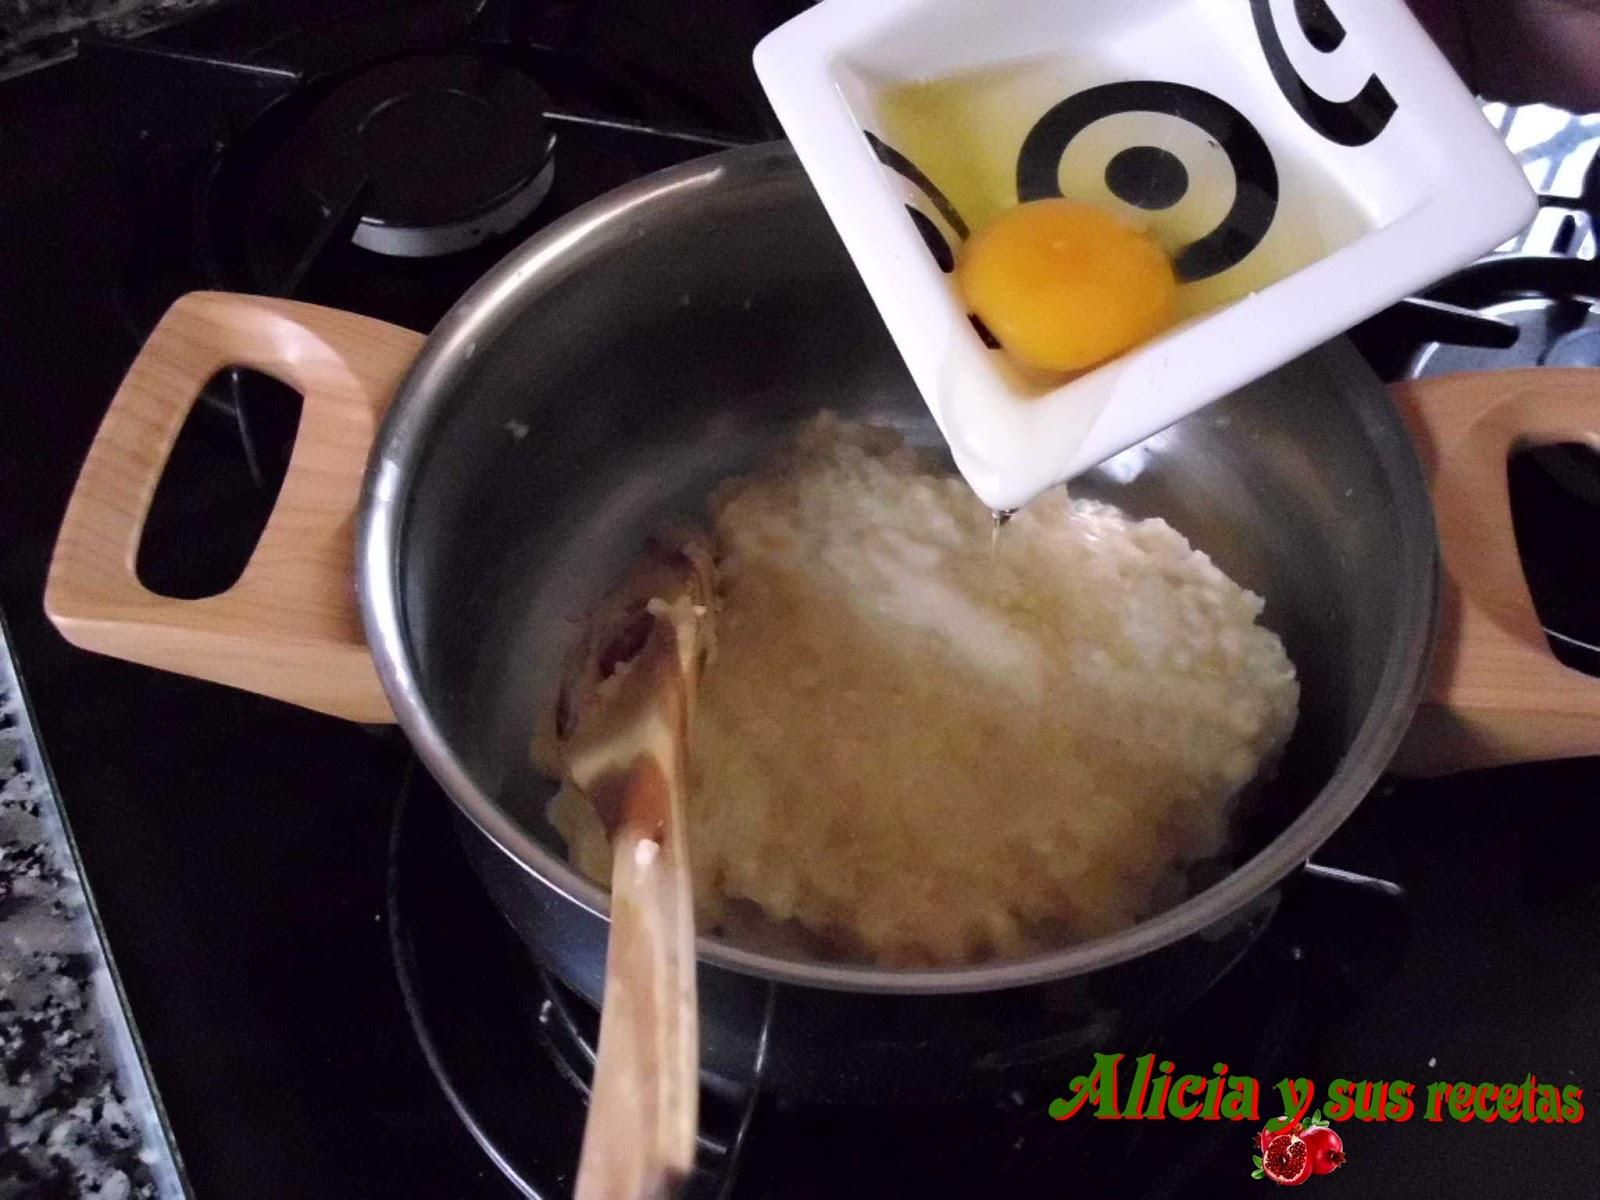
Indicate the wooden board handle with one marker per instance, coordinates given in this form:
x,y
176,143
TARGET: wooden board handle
x,y
289,628
1495,693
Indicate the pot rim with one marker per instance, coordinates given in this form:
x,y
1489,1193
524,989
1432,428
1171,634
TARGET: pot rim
x,y
422,397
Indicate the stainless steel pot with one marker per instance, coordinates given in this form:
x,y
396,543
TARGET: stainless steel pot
x,y
604,376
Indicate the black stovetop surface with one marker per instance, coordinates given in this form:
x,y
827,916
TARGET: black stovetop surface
x,y
239,849
1487,966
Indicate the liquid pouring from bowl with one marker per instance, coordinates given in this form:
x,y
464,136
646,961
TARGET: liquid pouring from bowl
x,y
622,727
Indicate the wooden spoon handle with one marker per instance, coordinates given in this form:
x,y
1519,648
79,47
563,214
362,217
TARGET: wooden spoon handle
x,y
289,628
1495,694
643,1111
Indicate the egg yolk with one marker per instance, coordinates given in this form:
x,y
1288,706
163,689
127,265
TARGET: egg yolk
x,y
1064,285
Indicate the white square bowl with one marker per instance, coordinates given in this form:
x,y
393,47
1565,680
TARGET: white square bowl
x,y
1331,163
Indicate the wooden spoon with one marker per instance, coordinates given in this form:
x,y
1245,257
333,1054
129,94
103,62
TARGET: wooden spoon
x,y
622,727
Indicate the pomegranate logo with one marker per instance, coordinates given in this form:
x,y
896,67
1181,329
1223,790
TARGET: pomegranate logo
x,y
1289,1153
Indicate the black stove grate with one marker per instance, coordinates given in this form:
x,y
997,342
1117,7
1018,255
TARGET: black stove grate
x,y
517,1070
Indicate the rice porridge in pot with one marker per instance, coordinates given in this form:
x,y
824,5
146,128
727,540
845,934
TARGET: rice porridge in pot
x,y
925,744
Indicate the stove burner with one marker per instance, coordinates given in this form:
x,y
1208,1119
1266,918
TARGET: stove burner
x,y
1553,302
513,1050
454,149
1581,348
420,155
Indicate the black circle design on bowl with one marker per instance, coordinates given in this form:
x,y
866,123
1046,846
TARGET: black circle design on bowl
x,y
1352,122
933,239
1323,30
1255,201
906,169
988,339
1147,177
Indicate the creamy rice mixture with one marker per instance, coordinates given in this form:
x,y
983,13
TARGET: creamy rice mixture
x,y
925,745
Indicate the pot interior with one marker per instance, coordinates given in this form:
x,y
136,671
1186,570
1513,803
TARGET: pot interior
x,y
611,372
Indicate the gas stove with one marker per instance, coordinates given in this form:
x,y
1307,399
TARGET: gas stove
x,y
327,1001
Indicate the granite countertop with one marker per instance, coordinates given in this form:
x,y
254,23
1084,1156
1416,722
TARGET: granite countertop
x,y
36,33
80,1118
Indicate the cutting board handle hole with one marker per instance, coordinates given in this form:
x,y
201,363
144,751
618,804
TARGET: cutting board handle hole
x,y
219,485
1555,510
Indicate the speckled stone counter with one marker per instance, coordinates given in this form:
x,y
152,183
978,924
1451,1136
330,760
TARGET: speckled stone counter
x,y
34,33
78,1113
